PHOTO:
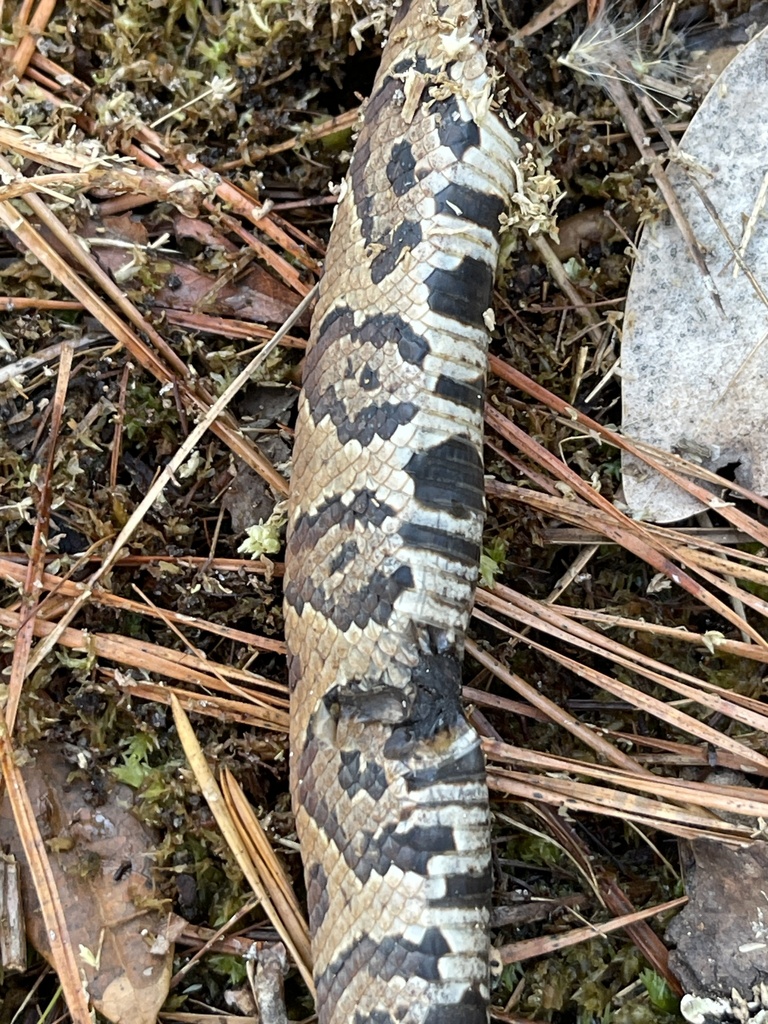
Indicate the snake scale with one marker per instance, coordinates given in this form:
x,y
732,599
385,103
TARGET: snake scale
x,y
384,531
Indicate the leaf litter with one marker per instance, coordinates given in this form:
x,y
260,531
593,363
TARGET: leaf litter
x,y
165,205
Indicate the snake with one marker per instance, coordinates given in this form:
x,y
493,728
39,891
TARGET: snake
x,y
383,539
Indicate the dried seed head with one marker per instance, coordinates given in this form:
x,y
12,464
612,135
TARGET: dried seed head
x,y
617,49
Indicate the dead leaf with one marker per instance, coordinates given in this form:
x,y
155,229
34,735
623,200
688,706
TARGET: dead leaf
x,y
687,390
254,295
99,857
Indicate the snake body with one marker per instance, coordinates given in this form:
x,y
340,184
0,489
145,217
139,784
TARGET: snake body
x,y
384,533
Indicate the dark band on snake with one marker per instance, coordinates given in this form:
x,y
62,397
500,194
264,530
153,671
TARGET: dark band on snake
x,y
384,539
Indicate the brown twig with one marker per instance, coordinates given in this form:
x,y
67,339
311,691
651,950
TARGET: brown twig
x,y
26,46
634,125
35,568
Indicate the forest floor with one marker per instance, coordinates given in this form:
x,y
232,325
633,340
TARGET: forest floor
x,y
164,208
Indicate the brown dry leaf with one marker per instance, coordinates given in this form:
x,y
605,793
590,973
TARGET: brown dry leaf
x,y
255,295
125,953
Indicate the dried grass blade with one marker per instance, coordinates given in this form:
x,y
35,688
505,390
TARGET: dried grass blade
x,y
727,566
748,759
15,572
658,708
634,126
611,895
61,947
31,587
594,520
657,460
229,830
515,952
210,707
63,273
57,72
619,528
725,799
735,647
80,255
676,468
511,707
581,796
632,659
270,869
553,711
269,709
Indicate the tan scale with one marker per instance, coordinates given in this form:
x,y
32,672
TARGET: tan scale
x,y
385,525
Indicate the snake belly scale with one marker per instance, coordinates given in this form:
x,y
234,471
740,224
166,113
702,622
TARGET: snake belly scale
x,y
384,533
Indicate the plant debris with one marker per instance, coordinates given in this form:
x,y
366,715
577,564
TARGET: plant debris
x,y
102,875
164,207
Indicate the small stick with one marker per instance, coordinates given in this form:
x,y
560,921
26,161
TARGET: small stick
x,y
550,13
26,47
30,601
634,125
